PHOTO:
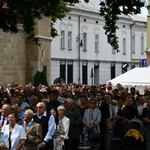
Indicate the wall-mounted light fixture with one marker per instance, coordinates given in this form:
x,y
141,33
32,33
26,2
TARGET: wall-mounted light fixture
x,y
80,39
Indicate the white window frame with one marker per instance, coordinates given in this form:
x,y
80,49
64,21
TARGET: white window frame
x,y
142,44
84,41
124,46
69,40
113,51
96,43
62,39
133,44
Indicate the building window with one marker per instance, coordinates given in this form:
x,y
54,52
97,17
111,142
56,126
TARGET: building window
x,y
142,45
124,67
124,46
69,40
84,72
63,69
133,44
69,72
85,41
45,70
113,70
62,44
96,43
113,51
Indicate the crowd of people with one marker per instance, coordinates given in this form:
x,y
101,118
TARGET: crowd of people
x,y
62,116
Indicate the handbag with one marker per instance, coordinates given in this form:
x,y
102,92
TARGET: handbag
x,y
94,135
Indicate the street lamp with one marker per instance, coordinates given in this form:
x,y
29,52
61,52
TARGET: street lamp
x,y
79,39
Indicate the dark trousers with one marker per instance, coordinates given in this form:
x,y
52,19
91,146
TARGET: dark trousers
x,y
67,145
75,143
102,142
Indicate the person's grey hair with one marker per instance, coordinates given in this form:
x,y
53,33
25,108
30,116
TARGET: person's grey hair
x,y
60,107
44,99
69,100
30,112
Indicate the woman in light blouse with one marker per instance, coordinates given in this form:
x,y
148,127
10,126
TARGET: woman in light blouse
x,y
14,133
91,119
62,129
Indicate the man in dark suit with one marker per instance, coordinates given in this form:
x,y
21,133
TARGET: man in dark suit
x,y
105,114
74,128
33,131
53,103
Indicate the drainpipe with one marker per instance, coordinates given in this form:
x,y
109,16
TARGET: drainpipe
x,y
131,25
79,48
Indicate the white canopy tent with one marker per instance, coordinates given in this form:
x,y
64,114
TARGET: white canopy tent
x,y
137,77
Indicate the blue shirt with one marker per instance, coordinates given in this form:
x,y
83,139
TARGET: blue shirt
x,y
51,127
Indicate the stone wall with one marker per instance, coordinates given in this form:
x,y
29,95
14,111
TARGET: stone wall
x,y
12,57
20,58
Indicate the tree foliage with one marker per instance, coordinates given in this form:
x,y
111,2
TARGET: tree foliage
x,y
27,11
40,78
111,9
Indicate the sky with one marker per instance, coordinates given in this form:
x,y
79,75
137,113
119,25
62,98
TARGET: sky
x,y
95,4
144,11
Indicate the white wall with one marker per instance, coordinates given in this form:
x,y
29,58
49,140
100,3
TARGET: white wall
x,y
105,55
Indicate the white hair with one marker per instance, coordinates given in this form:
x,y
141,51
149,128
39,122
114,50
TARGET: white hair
x,y
30,112
60,107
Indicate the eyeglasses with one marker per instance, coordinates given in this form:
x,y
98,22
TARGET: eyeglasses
x,y
38,107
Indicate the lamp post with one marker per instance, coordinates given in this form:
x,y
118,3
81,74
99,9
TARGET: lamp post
x,y
79,39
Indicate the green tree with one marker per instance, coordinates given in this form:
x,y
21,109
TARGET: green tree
x,y
27,11
40,78
111,9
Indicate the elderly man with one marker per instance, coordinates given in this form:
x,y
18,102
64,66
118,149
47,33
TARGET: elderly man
x,y
48,126
4,114
74,133
33,131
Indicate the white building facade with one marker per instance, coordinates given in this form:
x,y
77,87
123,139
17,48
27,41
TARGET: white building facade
x,y
95,62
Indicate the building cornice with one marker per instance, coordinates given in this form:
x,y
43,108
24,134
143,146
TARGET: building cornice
x,y
43,37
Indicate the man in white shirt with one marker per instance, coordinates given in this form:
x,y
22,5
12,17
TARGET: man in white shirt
x,y
4,114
